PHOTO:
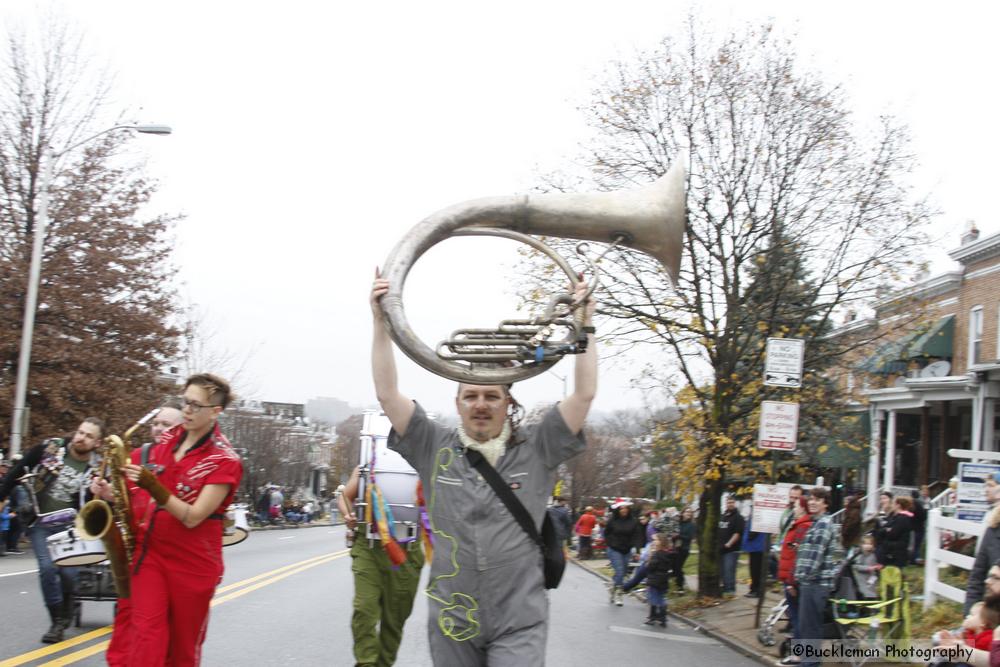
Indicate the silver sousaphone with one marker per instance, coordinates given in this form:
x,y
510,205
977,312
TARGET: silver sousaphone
x,y
651,219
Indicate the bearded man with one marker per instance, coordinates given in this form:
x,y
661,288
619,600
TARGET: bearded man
x,y
61,470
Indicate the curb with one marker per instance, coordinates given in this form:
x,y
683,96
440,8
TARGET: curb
x,y
734,644
722,638
295,526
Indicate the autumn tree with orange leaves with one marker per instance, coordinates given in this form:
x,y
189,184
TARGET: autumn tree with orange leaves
x,y
102,329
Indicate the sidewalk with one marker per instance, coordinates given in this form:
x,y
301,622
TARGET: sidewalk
x,y
730,621
293,526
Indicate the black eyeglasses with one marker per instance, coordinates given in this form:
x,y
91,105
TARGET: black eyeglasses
x,y
196,407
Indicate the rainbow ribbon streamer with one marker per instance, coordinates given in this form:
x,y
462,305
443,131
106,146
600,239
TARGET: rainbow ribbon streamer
x,y
425,524
383,519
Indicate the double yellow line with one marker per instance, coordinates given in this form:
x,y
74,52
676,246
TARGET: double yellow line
x,y
224,594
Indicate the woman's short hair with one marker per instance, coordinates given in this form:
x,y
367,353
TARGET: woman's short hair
x,y
218,389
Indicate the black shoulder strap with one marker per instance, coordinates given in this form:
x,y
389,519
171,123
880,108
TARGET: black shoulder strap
x,y
145,454
505,494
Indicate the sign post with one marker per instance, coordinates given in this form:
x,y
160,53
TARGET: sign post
x,y
783,362
779,430
769,503
779,426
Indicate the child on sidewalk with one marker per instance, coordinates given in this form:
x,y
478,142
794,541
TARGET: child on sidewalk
x,y
865,568
658,573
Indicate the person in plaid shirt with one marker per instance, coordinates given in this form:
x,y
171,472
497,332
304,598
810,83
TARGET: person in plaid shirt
x,y
816,565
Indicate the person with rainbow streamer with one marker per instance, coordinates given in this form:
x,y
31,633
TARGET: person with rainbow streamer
x,y
386,575
486,595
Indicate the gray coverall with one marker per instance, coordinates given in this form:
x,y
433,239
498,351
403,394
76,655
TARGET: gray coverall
x,y
487,598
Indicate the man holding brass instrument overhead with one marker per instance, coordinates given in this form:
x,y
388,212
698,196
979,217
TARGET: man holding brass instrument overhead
x,y
178,495
487,598
56,474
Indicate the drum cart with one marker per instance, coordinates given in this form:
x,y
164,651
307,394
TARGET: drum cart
x,y
93,579
94,583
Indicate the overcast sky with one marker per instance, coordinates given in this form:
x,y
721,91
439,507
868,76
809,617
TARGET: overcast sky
x,y
310,136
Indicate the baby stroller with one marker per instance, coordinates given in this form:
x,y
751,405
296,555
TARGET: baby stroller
x,y
766,634
844,588
95,583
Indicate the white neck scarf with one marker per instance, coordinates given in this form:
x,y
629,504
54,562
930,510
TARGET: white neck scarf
x,y
491,450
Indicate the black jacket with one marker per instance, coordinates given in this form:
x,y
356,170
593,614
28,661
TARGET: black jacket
x,y
658,570
895,539
687,535
730,524
31,458
987,554
624,534
28,462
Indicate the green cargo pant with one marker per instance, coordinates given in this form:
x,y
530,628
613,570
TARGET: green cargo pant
x,y
383,599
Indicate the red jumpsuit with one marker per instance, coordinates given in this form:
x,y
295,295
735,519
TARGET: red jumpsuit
x,y
175,569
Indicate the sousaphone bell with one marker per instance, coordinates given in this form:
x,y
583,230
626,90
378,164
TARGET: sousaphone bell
x,y
651,219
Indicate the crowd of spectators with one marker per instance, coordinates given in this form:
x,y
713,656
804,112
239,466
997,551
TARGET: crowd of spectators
x,y
273,507
811,555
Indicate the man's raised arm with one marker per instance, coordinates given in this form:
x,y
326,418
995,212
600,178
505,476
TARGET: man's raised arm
x,y
575,407
397,407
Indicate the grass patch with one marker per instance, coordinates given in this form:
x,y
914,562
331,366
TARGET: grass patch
x,y
945,615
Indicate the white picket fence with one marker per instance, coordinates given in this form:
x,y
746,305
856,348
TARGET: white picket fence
x,y
935,556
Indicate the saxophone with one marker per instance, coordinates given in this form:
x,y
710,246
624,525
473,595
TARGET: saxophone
x,y
112,524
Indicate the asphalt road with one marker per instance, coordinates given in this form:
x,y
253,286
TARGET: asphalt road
x,y
286,599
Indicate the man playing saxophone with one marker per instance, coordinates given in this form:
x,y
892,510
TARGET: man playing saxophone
x,y
58,471
178,502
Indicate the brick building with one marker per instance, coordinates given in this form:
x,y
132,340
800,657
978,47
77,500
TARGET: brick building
x,y
933,384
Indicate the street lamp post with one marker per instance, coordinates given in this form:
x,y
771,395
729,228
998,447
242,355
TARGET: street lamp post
x,y
563,379
35,272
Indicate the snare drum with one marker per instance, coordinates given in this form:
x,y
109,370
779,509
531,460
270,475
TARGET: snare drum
x,y
235,526
397,481
68,550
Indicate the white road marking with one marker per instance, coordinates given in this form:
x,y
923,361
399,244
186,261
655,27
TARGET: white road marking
x,y
663,635
14,574
290,537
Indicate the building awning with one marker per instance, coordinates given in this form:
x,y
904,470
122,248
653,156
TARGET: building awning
x,y
937,342
894,356
889,358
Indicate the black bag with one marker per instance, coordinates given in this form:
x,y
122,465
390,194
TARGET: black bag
x,y
553,557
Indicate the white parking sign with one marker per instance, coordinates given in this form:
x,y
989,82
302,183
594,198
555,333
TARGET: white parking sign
x,y
769,503
783,362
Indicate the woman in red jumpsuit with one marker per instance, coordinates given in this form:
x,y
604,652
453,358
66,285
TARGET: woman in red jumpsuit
x,y
178,507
